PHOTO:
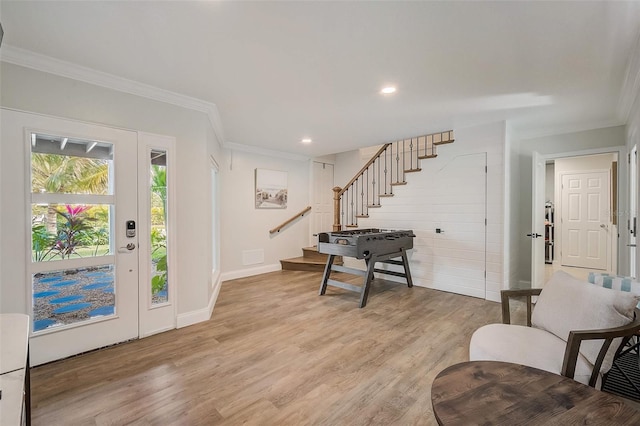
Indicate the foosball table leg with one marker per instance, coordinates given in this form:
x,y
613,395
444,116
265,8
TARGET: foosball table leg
x,y
371,264
327,272
407,272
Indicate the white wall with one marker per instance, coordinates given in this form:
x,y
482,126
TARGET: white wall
x,y
34,91
247,228
488,138
556,144
549,181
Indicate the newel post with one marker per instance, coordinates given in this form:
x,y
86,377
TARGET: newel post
x,y
336,209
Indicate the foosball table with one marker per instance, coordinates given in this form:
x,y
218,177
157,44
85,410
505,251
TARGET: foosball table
x,y
372,245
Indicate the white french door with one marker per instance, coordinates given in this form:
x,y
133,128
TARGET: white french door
x,y
157,304
81,263
88,241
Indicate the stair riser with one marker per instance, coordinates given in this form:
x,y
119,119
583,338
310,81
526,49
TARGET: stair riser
x,y
313,254
302,266
311,267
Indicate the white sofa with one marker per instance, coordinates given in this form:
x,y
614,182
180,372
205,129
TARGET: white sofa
x,y
576,329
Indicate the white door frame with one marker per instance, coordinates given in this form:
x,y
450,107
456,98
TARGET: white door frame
x,y
537,231
622,190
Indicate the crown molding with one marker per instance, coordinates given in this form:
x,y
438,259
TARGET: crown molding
x,y
631,84
26,58
563,130
265,151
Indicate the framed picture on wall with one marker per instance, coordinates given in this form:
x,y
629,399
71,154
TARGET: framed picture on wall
x,y
271,189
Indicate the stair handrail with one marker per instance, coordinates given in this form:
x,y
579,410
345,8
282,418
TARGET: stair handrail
x,y
406,161
365,167
288,221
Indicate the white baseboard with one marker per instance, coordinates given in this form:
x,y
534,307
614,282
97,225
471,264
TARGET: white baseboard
x,y
493,296
204,314
242,273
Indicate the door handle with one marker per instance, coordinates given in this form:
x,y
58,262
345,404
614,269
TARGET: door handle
x,y
534,235
126,249
603,226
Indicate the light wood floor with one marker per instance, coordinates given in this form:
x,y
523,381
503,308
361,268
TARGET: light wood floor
x,y
274,353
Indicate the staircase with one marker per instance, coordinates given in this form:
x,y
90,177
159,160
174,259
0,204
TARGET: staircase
x,y
376,180
310,260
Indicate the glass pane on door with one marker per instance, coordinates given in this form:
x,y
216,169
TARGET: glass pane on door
x,y
67,296
61,165
69,231
72,208
159,265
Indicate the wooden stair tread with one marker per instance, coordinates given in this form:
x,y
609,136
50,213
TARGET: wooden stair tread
x,y
443,142
385,195
398,183
412,170
424,157
374,206
362,216
302,259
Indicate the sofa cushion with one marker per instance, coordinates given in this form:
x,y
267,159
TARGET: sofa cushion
x,y
525,345
567,303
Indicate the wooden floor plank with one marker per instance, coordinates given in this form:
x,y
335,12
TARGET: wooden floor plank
x,y
274,353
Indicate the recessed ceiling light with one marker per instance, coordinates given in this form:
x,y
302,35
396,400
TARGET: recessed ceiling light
x,y
388,90
306,140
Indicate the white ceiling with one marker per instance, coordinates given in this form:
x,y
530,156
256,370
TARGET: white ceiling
x,y
281,71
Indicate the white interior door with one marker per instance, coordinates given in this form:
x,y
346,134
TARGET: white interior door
x,y
586,222
81,281
322,204
537,221
459,241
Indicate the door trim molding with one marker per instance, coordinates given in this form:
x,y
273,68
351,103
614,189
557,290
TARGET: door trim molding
x,y
622,186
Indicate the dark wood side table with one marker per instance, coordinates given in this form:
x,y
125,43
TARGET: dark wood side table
x,y
500,393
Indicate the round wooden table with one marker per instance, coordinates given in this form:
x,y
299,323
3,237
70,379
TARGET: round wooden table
x,y
500,393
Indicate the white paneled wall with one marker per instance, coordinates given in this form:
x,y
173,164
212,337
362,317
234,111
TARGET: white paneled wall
x,y
453,193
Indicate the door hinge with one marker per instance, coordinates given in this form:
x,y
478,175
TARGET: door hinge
x,y
629,158
485,169
485,221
